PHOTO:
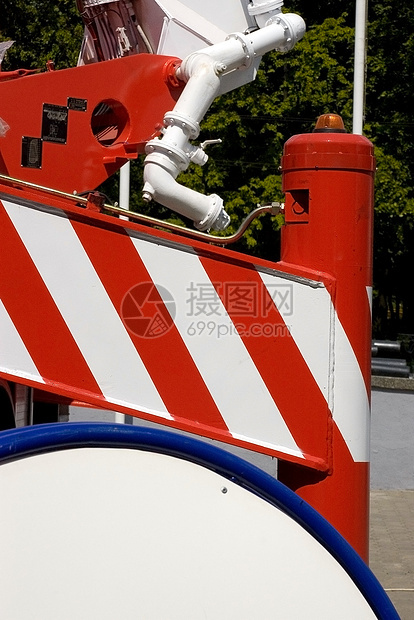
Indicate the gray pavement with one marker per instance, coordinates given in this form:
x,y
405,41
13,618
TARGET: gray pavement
x,y
392,432
392,490
392,546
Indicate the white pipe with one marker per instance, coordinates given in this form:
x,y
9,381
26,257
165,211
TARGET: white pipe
x,y
167,157
281,34
263,10
124,190
161,183
124,187
172,154
201,71
361,11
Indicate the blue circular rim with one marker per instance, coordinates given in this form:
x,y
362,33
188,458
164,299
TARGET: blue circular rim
x,y
32,440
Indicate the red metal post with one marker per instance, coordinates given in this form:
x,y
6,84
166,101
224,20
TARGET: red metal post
x,y
328,182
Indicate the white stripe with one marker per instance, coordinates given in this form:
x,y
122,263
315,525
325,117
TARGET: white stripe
x,y
87,309
219,353
325,347
369,293
14,357
309,316
351,403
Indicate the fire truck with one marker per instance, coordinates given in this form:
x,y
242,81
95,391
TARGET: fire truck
x,y
116,310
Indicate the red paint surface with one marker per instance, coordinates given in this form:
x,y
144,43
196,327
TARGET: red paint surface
x,y
328,181
140,93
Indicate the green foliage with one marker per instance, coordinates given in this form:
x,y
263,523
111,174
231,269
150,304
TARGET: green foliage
x,y
42,31
393,248
317,11
254,122
389,124
290,92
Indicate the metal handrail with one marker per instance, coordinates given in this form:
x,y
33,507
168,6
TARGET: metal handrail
x,y
273,208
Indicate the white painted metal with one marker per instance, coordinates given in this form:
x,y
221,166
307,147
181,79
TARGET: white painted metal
x,y
180,27
229,372
361,13
88,311
203,72
351,407
124,187
211,337
13,352
324,345
214,62
124,190
310,317
160,185
195,545
369,293
263,10
227,16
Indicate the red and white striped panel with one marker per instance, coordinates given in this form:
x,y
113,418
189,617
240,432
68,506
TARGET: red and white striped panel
x,y
251,355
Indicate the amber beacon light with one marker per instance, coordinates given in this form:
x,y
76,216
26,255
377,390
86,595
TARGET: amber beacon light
x,y
329,123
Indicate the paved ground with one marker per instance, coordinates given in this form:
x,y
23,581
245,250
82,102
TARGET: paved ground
x,y
392,445
392,546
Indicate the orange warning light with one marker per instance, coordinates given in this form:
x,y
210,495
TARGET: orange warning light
x,y
329,123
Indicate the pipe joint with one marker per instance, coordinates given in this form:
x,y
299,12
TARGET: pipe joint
x,y
202,72
175,145
189,127
247,49
293,27
207,212
176,159
198,63
264,10
198,156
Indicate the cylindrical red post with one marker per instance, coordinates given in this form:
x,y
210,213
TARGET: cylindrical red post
x,y
328,182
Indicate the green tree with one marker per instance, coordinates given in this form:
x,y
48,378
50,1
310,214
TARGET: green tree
x,y
42,31
289,93
389,124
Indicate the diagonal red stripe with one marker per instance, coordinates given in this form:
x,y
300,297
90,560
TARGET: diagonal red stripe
x,y
166,357
37,318
275,354
352,301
